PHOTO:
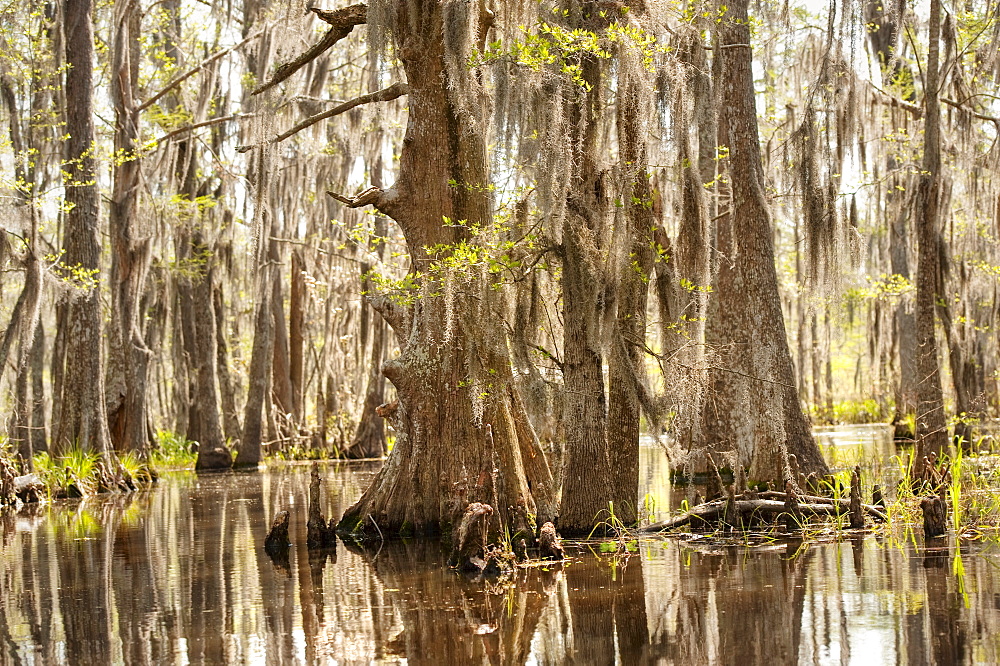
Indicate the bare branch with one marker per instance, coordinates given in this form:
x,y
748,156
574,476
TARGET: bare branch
x,y
343,22
958,105
890,100
194,70
206,123
384,95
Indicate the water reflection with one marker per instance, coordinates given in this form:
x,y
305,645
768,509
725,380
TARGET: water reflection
x,y
845,446
179,575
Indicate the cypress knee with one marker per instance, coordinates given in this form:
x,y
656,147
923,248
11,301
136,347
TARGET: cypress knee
x,y
934,517
549,547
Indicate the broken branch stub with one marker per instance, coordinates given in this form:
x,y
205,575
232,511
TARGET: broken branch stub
x,y
857,516
342,22
935,518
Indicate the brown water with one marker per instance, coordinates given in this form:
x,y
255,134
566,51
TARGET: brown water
x,y
178,575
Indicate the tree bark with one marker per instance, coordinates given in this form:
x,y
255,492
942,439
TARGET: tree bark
x,y
626,365
445,374
932,431
884,40
587,297
28,326
296,333
129,357
755,401
281,380
227,387
82,419
249,450
206,396
369,438
39,429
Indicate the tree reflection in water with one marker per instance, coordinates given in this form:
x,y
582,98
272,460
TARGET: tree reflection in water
x,y
179,574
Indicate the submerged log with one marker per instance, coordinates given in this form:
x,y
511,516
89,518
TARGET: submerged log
x,y
470,537
549,547
218,458
935,517
319,533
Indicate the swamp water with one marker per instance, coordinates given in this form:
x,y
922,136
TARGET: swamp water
x,y
178,574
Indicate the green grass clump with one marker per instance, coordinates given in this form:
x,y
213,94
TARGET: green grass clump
x,y
296,452
75,474
172,451
137,469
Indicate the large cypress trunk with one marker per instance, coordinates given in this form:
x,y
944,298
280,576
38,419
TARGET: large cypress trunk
x,y
753,405
81,418
207,426
626,365
932,431
587,479
453,373
128,354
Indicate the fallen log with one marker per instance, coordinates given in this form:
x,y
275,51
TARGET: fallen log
x,y
716,510
872,510
29,488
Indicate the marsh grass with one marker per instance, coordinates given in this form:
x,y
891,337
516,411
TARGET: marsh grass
x,y
172,451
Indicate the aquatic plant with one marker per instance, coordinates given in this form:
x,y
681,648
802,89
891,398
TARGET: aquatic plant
x,y
618,537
